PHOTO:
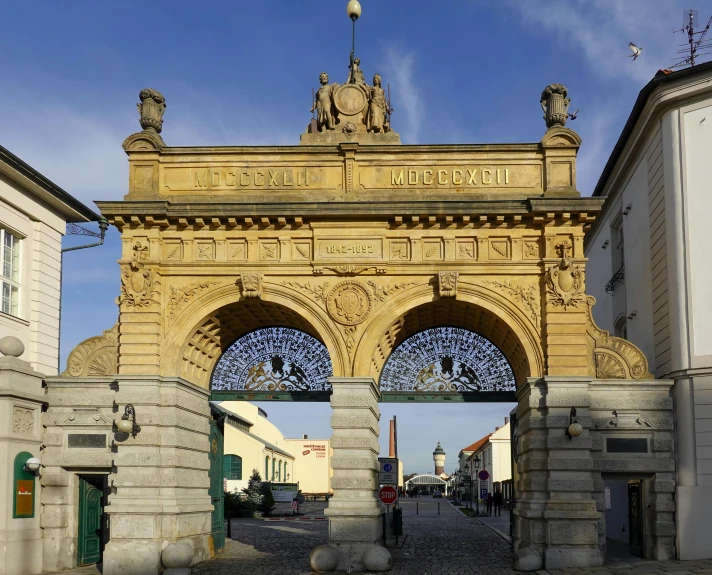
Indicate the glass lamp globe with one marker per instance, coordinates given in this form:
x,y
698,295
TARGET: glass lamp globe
x,y
353,9
33,464
575,429
124,426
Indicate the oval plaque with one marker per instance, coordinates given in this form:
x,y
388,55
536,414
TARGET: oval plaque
x,y
350,99
349,303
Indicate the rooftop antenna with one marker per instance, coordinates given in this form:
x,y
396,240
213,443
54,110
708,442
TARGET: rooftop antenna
x,y
696,44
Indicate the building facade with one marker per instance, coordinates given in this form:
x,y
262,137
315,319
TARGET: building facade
x,y
251,441
648,267
34,213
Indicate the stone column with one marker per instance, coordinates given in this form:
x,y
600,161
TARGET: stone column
x,y
354,511
160,484
556,517
21,399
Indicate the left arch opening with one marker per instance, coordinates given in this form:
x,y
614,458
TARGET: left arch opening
x,y
273,359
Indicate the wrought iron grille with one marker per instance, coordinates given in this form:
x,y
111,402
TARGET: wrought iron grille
x,y
273,359
447,359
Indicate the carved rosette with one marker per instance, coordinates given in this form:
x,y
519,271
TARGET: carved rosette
x,y
96,356
447,283
349,303
251,284
614,357
23,420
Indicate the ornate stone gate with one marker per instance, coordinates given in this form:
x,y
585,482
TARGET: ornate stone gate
x,y
359,242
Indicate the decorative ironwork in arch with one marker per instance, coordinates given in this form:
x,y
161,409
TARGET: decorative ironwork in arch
x,y
447,360
272,363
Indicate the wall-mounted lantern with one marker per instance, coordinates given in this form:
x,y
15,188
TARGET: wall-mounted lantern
x,y
128,421
575,428
32,465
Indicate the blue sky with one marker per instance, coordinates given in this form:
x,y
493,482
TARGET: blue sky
x,y
241,73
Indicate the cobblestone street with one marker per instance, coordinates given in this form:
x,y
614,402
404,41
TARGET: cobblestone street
x,y
444,544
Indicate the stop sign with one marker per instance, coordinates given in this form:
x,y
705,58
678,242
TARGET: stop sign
x,y
388,494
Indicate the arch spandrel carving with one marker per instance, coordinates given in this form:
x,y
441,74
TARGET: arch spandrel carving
x,y
96,355
613,357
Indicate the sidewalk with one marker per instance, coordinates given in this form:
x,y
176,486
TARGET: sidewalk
x,y
498,523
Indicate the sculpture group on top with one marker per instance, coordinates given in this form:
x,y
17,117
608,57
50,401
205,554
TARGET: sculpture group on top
x,y
352,107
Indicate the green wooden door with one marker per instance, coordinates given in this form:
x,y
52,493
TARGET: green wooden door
x,y
217,495
90,517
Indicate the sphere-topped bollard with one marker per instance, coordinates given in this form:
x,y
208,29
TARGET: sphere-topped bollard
x,y
11,346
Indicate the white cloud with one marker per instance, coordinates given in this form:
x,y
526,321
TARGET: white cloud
x,y
399,67
601,29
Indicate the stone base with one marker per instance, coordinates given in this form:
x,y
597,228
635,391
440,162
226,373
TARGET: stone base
x,y
566,557
21,552
333,137
133,557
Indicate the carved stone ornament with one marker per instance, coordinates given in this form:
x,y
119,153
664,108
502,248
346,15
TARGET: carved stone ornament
x,y
84,417
564,280
23,420
182,295
96,356
251,284
151,109
349,302
614,357
139,285
626,419
447,283
528,296
348,269
555,103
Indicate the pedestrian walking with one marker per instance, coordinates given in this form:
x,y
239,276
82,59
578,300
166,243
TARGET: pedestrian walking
x,y
490,499
497,500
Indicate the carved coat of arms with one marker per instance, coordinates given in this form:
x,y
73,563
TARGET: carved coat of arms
x,y
349,303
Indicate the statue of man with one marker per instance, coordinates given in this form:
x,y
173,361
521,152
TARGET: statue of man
x,y
356,74
324,103
376,106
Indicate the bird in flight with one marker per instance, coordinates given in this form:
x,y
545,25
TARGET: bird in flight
x,y
635,49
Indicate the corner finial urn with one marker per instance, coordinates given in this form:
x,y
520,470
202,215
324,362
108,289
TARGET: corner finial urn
x,y
151,108
555,103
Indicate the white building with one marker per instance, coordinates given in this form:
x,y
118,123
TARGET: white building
x,y
495,455
34,213
649,269
33,217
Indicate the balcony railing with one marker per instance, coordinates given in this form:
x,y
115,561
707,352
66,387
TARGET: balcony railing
x,y
615,280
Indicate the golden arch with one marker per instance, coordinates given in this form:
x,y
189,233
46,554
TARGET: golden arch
x,y
212,322
476,308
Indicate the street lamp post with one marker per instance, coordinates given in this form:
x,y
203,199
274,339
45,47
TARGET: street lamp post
x,y
477,467
468,484
353,9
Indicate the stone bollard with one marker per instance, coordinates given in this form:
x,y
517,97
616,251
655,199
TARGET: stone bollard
x,y
324,559
177,557
377,559
527,559
11,346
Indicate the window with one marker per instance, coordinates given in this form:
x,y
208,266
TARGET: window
x,y
620,328
286,475
267,468
232,467
274,468
9,272
279,472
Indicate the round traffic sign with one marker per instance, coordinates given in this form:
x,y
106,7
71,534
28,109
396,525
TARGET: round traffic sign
x,y
387,468
483,475
388,494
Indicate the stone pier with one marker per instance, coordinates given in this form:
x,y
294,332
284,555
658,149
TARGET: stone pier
x,y
354,510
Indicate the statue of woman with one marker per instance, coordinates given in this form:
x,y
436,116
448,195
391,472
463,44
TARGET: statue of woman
x,y
376,107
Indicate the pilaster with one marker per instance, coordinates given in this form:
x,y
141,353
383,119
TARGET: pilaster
x,y
556,512
354,511
21,399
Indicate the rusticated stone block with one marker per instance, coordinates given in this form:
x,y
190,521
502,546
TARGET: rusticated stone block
x,y
54,516
355,442
349,462
354,422
60,479
664,486
570,464
567,400
663,444
353,482
580,485
572,533
664,528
